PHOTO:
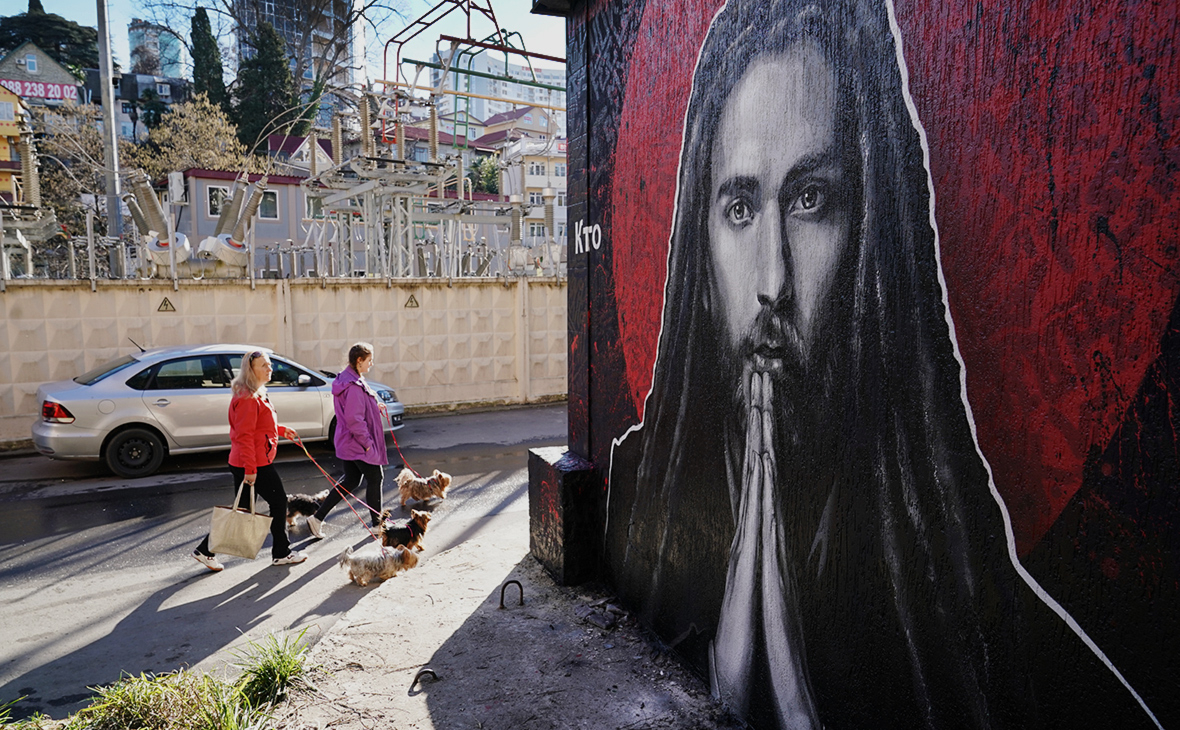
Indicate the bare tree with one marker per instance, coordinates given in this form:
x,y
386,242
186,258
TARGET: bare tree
x,y
319,33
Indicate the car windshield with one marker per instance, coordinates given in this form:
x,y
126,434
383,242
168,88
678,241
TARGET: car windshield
x,y
102,371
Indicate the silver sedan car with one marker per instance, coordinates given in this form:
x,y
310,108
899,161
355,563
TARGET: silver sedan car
x,y
134,411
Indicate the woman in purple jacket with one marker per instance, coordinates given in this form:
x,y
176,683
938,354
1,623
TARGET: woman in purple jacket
x,y
360,439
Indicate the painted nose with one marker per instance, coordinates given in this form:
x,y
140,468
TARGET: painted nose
x,y
775,287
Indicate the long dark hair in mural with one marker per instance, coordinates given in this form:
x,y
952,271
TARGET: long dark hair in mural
x,y
804,511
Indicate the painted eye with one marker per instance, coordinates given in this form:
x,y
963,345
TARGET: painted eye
x,y
739,213
810,199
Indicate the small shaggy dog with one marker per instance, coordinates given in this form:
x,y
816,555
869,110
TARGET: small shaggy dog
x,y
375,562
422,488
407,535
303,504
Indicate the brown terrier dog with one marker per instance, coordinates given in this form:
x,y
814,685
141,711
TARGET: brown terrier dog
x,y
376,563
408,535
422,488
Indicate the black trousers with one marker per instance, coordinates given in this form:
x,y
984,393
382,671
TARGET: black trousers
x,y
374,475
269,486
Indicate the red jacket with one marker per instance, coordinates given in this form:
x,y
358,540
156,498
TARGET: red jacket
x,y
253,432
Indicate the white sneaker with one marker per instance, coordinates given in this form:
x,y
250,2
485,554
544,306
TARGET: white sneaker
x,y
291,558
314,525
209,561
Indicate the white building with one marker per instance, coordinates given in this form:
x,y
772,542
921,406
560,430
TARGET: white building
x,y
530,167
491,62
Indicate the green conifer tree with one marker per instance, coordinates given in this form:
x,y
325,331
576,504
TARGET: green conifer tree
x,y
267,101
208,72
70,44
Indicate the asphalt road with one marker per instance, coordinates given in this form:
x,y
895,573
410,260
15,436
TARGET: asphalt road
x,y
96,578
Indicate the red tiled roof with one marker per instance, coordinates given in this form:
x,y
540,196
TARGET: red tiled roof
x,y
290,144
509,116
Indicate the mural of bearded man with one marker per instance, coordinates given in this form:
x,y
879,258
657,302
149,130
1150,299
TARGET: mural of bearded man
x,y
804,512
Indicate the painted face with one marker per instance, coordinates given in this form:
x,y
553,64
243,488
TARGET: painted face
x,y
778,212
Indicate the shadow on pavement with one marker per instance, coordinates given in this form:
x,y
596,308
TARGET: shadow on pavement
x,y
163,634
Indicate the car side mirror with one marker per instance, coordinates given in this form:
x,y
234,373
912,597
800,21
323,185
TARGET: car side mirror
x,y
304,380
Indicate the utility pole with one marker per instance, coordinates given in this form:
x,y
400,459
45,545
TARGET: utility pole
x,y
110,145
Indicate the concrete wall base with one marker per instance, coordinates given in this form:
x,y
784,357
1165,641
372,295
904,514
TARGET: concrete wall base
x,y
565,527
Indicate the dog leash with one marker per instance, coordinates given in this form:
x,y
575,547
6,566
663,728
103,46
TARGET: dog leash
x,y
336,485
405,464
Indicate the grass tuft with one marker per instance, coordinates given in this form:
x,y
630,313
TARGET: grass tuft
x,y
189,701
271,667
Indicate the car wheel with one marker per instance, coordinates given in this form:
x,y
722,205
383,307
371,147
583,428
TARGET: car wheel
x,y
135,452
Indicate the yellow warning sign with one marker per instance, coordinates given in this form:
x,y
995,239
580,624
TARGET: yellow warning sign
x,y
412,303
166,306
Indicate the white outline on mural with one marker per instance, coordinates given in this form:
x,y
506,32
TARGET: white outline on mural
x,y
1009,536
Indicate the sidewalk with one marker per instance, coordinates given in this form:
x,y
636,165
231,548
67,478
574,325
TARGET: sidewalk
x,y
567,658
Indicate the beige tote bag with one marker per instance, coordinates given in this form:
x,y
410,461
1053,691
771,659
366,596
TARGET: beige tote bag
x,y
236,531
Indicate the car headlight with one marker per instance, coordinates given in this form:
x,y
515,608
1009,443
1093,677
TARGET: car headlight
x,y
387,395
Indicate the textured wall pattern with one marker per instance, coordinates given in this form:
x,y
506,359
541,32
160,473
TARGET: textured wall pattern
x,y
468,343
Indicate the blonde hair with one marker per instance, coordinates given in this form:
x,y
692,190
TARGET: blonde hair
x,y
246,382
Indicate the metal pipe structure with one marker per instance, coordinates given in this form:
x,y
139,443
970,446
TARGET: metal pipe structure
x,y
110,145
454,92
149,204
232,207
136,215
28,170
337,141
434,133
481,74
506,49
248,211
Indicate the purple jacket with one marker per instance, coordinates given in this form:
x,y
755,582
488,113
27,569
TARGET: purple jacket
x,y
359,432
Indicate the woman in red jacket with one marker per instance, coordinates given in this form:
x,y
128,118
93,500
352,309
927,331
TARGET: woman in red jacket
x,y
254,438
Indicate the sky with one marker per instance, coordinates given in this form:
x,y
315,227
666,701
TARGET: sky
x,y
542,34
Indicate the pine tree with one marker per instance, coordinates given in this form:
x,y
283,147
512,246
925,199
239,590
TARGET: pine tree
x,y
267,99
70,44
208,73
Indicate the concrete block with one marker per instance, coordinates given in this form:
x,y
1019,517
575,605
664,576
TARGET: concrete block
x,y
565,524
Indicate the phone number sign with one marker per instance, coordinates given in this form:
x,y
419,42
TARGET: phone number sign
x,y
41,90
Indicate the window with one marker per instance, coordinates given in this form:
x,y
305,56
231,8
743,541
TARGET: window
x,y
536,168
536,199
127,107
315,208
269,209
127,130
559,169
561,230
7,111
91,377
140,380
283,374
31,63
560,199
163,89
536,230
190,373
217,196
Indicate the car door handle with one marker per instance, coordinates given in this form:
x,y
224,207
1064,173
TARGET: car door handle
x,y
162,401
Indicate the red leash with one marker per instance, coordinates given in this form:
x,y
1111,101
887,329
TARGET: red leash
x,y
389,419
336,485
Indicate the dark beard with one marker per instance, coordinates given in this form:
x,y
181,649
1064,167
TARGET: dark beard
x,y
775,347
804,430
